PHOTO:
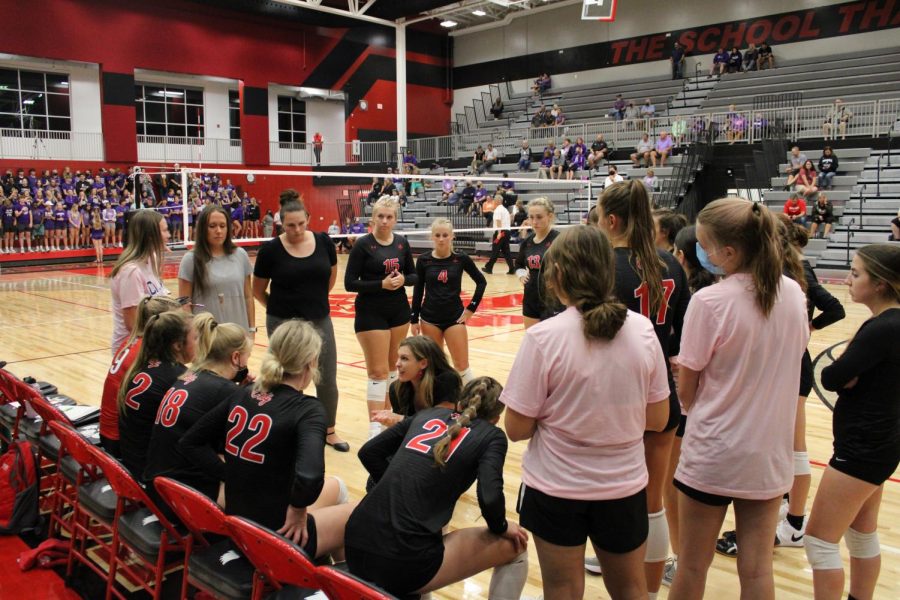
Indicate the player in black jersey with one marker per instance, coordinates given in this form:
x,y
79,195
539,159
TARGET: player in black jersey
x,y
380,264
219,365
422,466
650,282
274,440
169,343
439,278
541,214
866,432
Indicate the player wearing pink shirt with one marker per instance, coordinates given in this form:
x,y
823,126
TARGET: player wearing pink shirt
x,y
584,474
739,367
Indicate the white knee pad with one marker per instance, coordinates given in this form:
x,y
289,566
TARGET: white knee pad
x,y
657,538
801,464
376,390
822,555
508,581
862,545
466,375
392,377
343,493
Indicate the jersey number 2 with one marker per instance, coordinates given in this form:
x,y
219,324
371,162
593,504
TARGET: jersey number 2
x,y
643,292
142,383
260,424
435,428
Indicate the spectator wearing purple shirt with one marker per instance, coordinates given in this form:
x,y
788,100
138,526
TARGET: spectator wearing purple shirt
x,y
618,110
576,163
720,62
546,164
663,149
410,162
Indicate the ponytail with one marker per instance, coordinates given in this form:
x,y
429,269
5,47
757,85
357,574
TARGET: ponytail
x,y
216,342
480,398
294,349
146,308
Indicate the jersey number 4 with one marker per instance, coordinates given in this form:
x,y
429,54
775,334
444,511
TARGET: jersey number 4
x,y
442,276
260,425
434,429
391,265
643,292
170,407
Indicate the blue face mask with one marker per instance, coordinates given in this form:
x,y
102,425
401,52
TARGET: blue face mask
x,y
703,257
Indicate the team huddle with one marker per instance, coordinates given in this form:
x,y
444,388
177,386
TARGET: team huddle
x,y
656,383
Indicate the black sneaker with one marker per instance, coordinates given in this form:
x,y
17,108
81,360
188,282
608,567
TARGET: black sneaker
x,y
727,544
488,271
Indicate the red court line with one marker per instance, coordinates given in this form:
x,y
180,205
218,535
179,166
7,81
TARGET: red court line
x,y
65,301
822,465
25,360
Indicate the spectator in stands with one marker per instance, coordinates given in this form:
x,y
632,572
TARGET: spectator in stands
x,y
735,125
828,166
795,209
618,109
448,188
679,130
677,61
576,163
663,149
648,111
651,181
524,156
567,149
643,151
796,160
477,166
410,162
346,243
735,60
822,215
838,118
541,84
632,114
760,126
497,108
612,177
806,180
750,56
766,57
546,165
467,197
490,158
269,224
539,116
719,62
599,151
557,115
895,228
559,164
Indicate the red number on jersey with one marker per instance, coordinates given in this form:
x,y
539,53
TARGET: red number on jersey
x,y
391,265
643,292
260,425
436,428
120,358
534,261
170,407
442,276
142,383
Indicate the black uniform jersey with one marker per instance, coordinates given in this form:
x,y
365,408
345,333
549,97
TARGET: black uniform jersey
x,y
440,281
531,256
145,392
817,297
370,262
413,500
866,422
274,446
446,389
192,396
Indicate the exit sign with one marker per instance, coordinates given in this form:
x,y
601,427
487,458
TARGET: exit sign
x,y
598,10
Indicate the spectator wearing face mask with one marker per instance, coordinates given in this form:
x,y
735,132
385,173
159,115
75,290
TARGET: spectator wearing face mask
x,y
612,178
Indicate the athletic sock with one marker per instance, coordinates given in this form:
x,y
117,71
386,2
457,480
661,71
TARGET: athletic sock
x,y
508,581
466,375
795,521
652,595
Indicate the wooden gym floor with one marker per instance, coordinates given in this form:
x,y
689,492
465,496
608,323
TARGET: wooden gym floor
x,y
56,326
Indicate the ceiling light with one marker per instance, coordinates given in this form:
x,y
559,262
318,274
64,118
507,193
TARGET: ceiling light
x,y
479,13
449,23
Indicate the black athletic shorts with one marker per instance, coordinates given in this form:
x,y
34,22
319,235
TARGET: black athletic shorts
x,y
617,526
312,543
870,472
682,423
442,323
380,314
806,375
703,497
23,228
400,577
674,407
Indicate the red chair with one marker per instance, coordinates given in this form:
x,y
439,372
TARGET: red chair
x,y
341,585
64,495
145,543
278,562
47,444
215,568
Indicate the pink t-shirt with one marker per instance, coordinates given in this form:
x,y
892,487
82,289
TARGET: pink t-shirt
x,y
590,400
740,432
133,281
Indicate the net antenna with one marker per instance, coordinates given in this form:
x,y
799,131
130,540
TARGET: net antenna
x,y
599,10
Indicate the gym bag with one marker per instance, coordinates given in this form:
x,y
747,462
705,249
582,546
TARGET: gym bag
x,y
19,488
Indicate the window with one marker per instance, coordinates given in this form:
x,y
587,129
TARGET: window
x,y
165,110
291,122
234,115
31,101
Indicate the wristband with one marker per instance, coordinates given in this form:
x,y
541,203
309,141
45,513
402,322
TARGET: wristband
x,y
253,329
521,272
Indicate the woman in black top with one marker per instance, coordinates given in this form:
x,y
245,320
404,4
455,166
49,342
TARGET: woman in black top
x,y
379,265
424,379
301,267
219,365
273,438
828,166
822,214
439,279
535,305
421,467
168,344
866,432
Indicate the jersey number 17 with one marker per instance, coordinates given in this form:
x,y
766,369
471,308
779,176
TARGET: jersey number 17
x,y
643,293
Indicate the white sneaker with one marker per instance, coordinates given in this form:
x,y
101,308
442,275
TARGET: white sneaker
x,y
669,571
788,537
783,510
592,565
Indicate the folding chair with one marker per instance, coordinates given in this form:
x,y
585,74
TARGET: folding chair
x,y
215,568
38,432
145,543
341,585
278,562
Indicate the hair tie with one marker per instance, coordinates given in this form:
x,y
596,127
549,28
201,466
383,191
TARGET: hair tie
x,y
755,208
586,306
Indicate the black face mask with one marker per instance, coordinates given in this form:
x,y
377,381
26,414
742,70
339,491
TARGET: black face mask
x,y
241,375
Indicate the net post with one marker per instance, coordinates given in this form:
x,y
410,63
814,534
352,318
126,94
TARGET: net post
x,y
184,206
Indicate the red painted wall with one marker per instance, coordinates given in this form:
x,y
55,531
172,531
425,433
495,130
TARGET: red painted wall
x,y
427,110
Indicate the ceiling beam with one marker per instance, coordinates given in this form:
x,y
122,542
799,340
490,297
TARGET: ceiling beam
x,y
317,6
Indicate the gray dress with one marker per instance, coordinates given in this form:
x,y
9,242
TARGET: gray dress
x,y
224,292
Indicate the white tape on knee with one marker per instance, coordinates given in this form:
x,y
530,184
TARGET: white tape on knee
x,y
343,493
801,463
822,555
392,377
657,538
376,390
862,545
